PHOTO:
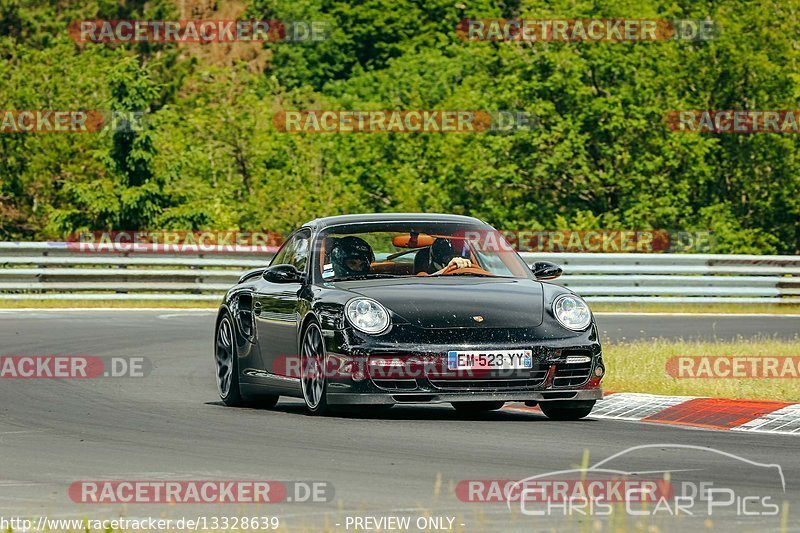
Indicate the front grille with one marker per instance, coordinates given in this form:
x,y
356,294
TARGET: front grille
x,y
398,373
521,381
486,384
396,384
573,373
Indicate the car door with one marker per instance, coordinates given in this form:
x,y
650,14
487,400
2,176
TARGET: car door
x,y
276,307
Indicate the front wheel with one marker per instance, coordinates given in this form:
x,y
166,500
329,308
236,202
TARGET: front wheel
x,y
567,410
477,407
312,364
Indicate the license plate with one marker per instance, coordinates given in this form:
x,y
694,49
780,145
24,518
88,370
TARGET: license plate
x,y
490,360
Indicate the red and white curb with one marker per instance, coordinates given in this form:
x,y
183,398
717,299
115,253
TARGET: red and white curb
x,y
713,413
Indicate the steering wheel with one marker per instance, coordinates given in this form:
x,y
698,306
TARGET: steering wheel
x,y
453,270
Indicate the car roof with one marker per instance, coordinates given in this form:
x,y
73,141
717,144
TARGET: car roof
x,y
320,223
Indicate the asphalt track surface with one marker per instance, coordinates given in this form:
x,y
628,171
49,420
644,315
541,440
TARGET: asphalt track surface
x,y
170,426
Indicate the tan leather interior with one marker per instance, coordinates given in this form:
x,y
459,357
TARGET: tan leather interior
x,y
390,267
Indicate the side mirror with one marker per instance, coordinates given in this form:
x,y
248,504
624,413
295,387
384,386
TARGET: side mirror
x,y
283,274
544,270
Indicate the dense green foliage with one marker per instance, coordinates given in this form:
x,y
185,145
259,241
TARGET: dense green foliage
x,y
601,155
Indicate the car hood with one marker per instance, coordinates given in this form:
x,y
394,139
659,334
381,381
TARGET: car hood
x,y
455,302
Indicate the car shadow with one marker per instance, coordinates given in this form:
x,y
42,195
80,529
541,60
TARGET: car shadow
x,y
433,412
513,412
440,413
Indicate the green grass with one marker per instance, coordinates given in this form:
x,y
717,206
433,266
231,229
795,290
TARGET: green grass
x,y
640,366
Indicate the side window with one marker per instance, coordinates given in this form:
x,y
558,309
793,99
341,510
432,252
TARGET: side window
x,y
283,253
299,256
294,251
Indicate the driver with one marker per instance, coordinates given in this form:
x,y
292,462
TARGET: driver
x,y
351,256
443,255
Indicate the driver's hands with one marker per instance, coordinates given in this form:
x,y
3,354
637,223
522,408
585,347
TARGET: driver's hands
x,y
459,262
454,264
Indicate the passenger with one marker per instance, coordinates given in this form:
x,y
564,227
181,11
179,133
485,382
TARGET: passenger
x,y
351,256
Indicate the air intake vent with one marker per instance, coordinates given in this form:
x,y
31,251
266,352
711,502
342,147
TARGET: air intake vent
x,y
574,370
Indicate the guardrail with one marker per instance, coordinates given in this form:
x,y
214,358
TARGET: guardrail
x,y
56,270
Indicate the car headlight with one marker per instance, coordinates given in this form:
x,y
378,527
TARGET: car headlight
x,y
572,312
367,315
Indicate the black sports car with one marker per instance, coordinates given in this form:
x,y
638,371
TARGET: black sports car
x,y
377,310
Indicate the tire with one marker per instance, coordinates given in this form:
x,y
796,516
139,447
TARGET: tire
x,y
312,367
227,375
477,407
570,410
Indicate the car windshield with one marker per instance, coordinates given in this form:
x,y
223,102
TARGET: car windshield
x,y
389,250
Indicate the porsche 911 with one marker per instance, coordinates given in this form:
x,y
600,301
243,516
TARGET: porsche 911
x,y
361,312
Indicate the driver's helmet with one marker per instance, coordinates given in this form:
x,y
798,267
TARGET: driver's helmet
x,y
442,252
351,256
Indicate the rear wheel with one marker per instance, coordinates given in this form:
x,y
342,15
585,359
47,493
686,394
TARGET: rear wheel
x,y
572,410
226,366
312,365
477,407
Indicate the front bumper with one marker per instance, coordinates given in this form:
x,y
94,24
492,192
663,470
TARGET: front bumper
x,y
565,368
447,397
